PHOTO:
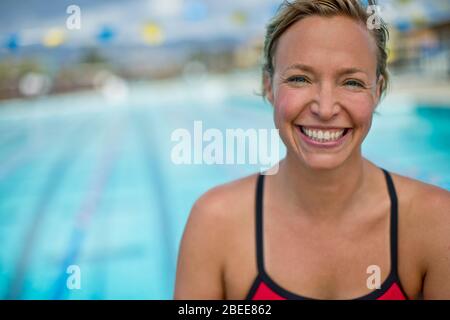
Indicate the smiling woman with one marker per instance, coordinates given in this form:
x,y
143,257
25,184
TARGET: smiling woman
x,y
329,214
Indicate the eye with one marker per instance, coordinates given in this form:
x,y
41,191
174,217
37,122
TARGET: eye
x,y
298,79
354,83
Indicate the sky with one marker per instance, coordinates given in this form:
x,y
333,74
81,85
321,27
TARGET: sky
x,y
177,19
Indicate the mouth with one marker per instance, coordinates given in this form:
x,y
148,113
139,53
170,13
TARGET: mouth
x,y
324,137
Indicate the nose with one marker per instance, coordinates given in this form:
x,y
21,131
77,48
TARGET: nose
x,y
325,106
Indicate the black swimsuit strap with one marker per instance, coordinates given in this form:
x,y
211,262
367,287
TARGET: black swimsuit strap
x,y
393,223
259,223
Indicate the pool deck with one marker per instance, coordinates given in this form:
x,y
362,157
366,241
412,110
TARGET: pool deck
x,y
423,90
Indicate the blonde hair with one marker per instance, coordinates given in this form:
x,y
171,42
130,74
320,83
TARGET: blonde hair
x,y
292,11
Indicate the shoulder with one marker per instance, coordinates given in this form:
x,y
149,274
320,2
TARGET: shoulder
x,y
428,225
426,213
217,215
214,222
222,206
426,202
430,206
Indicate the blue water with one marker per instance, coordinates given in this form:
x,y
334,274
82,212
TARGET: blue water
x,y
88,183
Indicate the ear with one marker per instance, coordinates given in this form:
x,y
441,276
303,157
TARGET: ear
x,y
380,84
267,83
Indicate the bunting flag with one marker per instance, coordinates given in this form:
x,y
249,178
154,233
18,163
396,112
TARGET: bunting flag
x,y
403,14
152,34
12,42
239,18
106,34
54,38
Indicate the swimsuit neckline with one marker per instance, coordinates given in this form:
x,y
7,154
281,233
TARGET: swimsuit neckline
x,y
264,277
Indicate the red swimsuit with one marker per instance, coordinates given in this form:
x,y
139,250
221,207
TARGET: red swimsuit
x,y
264,288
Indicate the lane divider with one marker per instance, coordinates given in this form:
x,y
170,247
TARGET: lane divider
x,y
89,206
54,181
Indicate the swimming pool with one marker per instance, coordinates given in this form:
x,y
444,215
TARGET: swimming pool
x,y
89,183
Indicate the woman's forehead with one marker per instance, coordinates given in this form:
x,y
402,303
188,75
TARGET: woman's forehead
x,y
327,42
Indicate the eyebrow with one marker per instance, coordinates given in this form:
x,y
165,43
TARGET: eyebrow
x,y
343,71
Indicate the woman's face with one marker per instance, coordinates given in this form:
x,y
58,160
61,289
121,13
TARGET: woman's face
x,y
324,89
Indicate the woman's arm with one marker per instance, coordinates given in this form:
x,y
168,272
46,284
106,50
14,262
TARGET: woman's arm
x,y
199,269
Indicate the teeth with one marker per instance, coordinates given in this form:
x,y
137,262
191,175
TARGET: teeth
x,y
323,135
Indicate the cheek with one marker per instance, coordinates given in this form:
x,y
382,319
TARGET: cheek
x,y
361,109
288,104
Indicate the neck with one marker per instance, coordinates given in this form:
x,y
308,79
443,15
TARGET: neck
x,y
321,193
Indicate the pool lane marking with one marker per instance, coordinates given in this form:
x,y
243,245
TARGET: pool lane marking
x,y
88,207
25,155
54,180
147,137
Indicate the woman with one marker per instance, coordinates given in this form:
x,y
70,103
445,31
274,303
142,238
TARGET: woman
x,y
330,221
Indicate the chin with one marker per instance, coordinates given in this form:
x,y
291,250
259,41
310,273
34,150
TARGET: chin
x,y
323,161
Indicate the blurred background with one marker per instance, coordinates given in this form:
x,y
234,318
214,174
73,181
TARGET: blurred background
x,y
90,93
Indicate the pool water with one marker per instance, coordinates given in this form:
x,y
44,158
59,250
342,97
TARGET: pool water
x,y
90,183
